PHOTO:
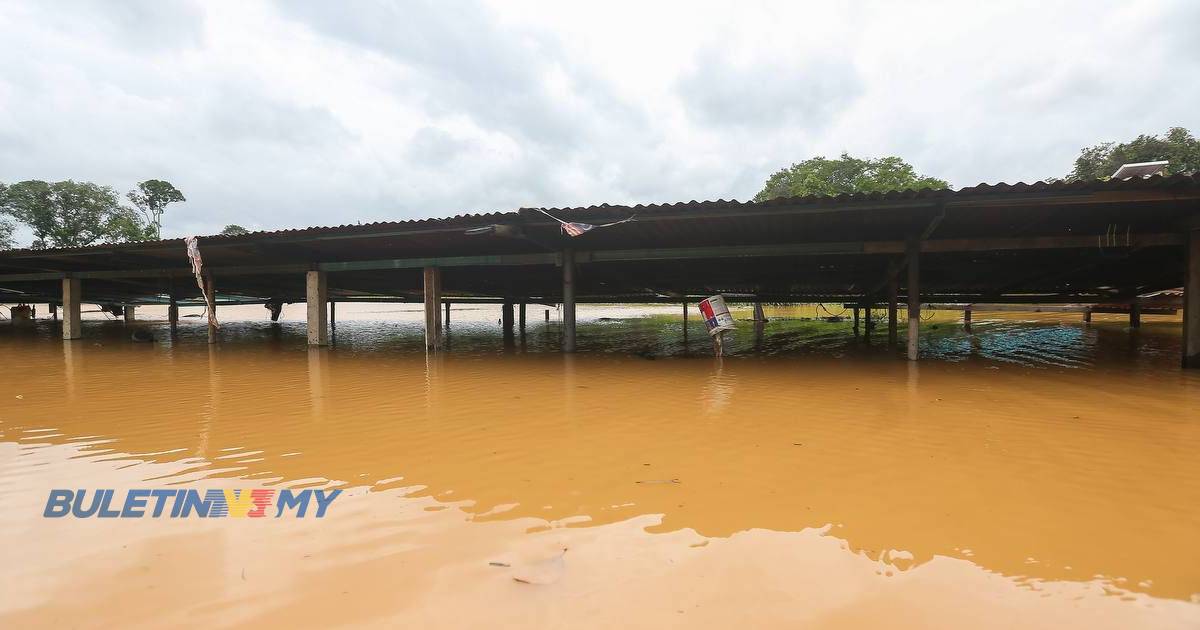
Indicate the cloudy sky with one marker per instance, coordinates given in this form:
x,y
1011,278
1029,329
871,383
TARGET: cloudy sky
x,y
319,113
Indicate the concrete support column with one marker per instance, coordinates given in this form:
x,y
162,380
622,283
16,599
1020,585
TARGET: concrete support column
x,y
568,342
893,300
72,293
211,291
506,319
967,318
433,309
685,318
521,319
914,297
1191,304
1135,314
316,298
130,314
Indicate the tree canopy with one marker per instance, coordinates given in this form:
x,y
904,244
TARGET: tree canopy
x,y
1102,160
821,176
151,199
234,230
71,214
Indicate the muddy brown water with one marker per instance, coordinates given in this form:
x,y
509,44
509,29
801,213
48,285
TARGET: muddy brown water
x,y
1036,471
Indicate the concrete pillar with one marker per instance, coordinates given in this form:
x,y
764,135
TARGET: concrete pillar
x,y
547,314
1135,314
855,321
914,297
1087,315
130,314
172,315
1191,304
72,294
521,319
506,318
685,318
868,325
967,318
446,307
759,315
568,312
893,299
316,298
54,312
433,309
210,290
332,319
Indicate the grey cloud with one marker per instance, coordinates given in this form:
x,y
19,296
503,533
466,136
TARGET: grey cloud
x,y
768,92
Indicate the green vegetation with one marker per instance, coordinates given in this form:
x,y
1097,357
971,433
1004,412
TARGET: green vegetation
x,y
821,176
1101,161
234,230
76,214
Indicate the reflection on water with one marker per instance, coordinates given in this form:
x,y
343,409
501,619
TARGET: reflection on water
x,y
1045,456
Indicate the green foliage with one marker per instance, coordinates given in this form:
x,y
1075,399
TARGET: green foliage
x,y
151,199
6,227
1102,160
819,176
71,214
234,230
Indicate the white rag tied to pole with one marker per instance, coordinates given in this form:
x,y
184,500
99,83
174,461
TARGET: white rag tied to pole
x,y
193,252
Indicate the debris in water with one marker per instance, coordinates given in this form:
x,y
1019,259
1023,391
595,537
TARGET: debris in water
x,y
658,481
499,564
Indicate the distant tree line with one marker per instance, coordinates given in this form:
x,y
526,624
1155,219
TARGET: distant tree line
x,y
75,214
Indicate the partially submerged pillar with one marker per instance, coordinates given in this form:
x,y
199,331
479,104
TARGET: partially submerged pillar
x,y
1087,315
1191,303
967,318
893,300
914,297
759,315
332,319
316,297
855,321
129,312
54,312
685,318
521,319
868,324
173,315
568,311
1135,313
506,317
72,292
433,308
446,307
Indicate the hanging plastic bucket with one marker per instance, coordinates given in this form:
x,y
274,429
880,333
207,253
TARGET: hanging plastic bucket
x,y
716,315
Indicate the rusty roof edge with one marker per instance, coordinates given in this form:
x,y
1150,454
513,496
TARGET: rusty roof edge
x,y
925,197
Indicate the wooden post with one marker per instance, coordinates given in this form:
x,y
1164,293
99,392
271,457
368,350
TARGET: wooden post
x,y
72,293
568,312
129,313
332,319
867,323
54,312
914,297
1135,313
967,318
1191,303
1087,315
547,314
446,304
316,299
521,319
893,299
173,315
759,314
685,318
210,291
433,309
855,321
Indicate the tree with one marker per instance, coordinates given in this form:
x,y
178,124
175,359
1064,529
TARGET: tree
x,y
819,176
234,230
6,227
1102,160
71,214
151,199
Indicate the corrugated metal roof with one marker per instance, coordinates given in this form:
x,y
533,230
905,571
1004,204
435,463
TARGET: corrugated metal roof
x,y
1157,182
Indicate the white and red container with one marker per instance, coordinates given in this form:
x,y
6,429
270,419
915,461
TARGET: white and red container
x,y
716,315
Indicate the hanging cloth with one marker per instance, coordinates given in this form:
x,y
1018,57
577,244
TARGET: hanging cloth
x,y
578,229
193,252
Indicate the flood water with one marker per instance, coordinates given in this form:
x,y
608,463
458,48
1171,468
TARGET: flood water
x,y
1034,472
